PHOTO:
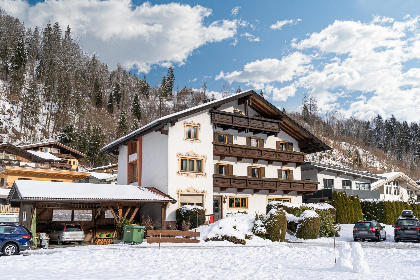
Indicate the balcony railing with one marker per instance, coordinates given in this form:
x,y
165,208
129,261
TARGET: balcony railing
x,y
65,156
272,184
10,162
243,122
61,165
239,151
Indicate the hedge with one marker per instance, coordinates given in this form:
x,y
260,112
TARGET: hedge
x,y
309,225
349,209
387,212
191,215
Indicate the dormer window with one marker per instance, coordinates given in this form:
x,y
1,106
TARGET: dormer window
x,y
55,151
45,150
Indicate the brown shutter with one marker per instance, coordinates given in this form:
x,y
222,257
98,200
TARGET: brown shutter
x,y
216,171
278,145
249,171
230,139
215,137
262,172
279,173
230,169
261,143
290,174
248,141
290,146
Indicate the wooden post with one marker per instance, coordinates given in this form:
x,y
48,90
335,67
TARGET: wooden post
x,y
335,258
163,215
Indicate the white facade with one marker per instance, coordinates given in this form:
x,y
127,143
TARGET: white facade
x,y
397,186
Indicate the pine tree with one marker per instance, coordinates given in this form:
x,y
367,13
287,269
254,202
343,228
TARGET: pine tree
x,y
135,125
110,103
116,94
97,92
135,108
239,90
122,124
261,93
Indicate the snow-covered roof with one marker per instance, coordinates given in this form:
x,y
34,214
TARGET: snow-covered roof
x,y
360,174
102,176
104,167
47,191
4,192
163,120
52,142
391,176
44,155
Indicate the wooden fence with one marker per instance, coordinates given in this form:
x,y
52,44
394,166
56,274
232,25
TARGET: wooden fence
x,y
8,209
172,236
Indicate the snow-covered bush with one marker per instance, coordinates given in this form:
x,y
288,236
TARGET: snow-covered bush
x,y
276,225
194,216
309,225
234,228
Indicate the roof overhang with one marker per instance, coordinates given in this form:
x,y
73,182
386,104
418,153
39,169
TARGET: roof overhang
x,y
56,144
37,172
340,170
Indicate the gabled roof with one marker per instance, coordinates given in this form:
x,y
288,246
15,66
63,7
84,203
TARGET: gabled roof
x,y
321,166
23,190
389,177
53,143
308,143
4,193
29,155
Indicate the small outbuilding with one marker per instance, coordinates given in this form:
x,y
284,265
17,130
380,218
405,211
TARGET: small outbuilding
x,y
91,205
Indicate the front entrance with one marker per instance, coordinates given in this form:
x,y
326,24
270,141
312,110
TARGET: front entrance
x,y
217,208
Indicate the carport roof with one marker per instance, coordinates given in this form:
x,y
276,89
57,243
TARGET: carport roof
x,y
24,190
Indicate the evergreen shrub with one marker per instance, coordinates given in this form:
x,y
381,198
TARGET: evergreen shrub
x,y
276,225
309,225
188,214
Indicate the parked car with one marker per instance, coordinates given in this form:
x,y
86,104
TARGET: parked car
x,y
407,227
369,230
14,238
68,233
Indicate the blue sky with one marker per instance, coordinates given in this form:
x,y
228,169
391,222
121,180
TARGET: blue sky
x,y
357,58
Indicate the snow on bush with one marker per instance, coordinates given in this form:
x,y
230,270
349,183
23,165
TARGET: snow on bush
x,y
235,228
309,225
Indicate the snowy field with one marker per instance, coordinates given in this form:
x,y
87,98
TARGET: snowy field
x,y
259,259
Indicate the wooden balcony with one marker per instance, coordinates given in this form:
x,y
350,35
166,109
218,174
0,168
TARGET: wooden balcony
x,y
10,162
65,156
271,155
245,123
272,184
61,165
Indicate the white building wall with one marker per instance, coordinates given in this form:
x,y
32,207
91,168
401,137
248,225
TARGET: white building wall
x,y
122,165
179,183
155,161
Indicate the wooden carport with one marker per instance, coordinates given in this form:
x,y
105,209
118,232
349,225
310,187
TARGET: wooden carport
x,y
123,201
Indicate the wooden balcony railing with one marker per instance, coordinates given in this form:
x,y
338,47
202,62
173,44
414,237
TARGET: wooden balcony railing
x,y
10,162
243,122
61,165
65,156
272,184
271,155
8,209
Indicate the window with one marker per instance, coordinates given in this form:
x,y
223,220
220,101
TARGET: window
x,y
133,147
255,142
395,183
74,162
282,199
284,146
191,165
45,150
255,171
189,199
223,169
2,182
362,186
286,174
396,191
82,215
108,214
191,131
388,189
55,151
222,138
61,215
135,177
238,202
328,183
346,184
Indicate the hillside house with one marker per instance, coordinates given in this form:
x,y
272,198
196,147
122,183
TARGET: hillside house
x,y
231,155
397,186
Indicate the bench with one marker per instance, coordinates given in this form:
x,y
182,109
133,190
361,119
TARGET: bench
x,y
172,236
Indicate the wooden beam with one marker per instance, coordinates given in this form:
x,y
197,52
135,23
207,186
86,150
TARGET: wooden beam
x,y
134,214
120,212
223,189
126,213
163,215
114,214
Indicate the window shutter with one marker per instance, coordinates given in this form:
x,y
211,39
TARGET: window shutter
x,y
230,169
290,146
248,141
261,143
291,174
262,172
278,145
249,171
230,139
279,173
216,171
215,137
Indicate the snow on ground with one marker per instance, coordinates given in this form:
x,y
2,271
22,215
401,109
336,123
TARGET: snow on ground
x,y
310,259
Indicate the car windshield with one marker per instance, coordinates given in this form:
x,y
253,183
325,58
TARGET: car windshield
x,y
363,225
73,228
407,223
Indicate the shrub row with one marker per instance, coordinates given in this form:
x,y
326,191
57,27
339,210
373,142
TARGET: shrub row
x,y
348,208
387,212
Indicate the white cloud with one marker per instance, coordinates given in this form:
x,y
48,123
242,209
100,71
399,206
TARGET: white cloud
x,y
250,37
358,69
235,11
118,31
279,24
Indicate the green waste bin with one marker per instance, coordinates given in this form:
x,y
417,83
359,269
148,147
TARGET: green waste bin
x,y
133,233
